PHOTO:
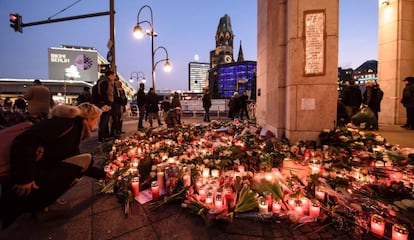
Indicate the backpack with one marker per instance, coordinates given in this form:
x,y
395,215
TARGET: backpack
x,y
96,96
7,136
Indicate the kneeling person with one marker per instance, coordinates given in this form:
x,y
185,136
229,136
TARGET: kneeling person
x,y
172,118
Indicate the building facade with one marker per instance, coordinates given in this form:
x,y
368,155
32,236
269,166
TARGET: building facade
x,y
198,76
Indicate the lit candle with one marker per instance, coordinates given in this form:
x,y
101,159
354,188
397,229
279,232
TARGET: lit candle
x,y
215,173
305,203
160,180
269,199
206,172
299,207
218,202
314,209
263,206
209,198
320,192
377,225
241,168
135,186
276,207
202,194
155,190
399,232
187,180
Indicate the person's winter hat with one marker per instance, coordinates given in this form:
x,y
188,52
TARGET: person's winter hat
x,y
409,79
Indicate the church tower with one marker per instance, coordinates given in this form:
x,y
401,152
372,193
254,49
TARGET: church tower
x,y
224,43
240,57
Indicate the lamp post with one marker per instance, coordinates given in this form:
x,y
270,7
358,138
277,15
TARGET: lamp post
x,y
167,64
137,76
139,34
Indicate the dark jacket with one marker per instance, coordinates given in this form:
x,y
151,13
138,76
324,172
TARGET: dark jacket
x,y
408,95
85,96
206,100
50,134
352,96
152,102
171,119
141,98
373,97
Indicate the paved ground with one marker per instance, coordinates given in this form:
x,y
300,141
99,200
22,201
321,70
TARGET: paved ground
x,y
96,216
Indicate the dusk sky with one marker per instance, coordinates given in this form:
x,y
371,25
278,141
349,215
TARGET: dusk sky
x,y
185,28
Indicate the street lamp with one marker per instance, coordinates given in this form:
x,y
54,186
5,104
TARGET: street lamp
x,y
167,64
139,34
137,76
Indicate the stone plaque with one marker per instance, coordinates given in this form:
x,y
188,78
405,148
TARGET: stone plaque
x,y
314,25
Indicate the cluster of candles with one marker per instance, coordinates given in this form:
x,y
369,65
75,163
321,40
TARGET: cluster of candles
x,y
212,190
399,231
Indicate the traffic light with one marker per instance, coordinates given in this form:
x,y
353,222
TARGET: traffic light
x,y
103,68
16,22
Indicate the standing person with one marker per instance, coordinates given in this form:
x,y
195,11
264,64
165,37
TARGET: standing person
x,y
106,99
352,99
152,107
84,96
243,102
45,161
141,101
175,102
19,105
118,109
235,105
7,104
408,101
39,100
372,98
206,105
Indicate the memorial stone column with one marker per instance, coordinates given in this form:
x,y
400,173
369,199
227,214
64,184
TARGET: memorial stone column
x,y
297,67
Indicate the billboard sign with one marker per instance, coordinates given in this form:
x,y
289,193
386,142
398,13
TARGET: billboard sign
x,y
85,61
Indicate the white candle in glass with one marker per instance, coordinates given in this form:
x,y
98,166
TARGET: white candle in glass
x,y
187,180
202,194
299,207
218,201
209,198
320,192
160,180
206,173
377,225
263,206
276,207
314,209
399,232
214,173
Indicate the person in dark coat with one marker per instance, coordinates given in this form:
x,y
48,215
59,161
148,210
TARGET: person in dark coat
x,y
243,102
352,99
84,96
45,160
372,98
408,102
106,93
206,105
235,106
152,107
141,101
20,105
175,102
172,117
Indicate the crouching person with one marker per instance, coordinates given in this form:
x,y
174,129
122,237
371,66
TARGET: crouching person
x,y
173,117
46,160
